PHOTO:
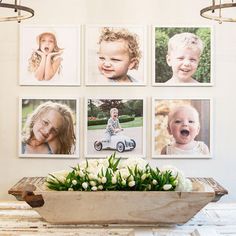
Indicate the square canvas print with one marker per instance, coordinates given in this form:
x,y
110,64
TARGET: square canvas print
x,y
182,128
182,56
49,128
115,55
49,55
115,125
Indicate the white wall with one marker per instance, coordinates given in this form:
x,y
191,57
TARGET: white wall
x,y
148,12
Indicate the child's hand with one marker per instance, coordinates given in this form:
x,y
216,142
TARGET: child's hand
x,y
118,130
51,54
40,53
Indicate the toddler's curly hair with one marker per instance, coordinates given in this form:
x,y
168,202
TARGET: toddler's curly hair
x,y
132,39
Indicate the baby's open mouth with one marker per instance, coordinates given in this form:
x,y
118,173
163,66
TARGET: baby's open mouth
x,y
46,49
184,132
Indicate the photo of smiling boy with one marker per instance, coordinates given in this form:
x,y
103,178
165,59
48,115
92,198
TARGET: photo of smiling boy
x,y
182,56
184,51
115,55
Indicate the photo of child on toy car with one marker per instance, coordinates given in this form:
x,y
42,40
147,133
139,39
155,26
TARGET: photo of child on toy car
x,y
114,124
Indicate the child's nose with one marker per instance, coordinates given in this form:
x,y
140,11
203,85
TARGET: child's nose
x,y
186,62
185,122
47,130
107,63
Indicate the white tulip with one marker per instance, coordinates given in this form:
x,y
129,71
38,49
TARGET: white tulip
x,y
131,183
114,180
167,187
104,179
100,187
144,176
92,183
85,185
154,182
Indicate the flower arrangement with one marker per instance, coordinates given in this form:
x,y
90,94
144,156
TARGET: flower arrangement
x,y
133,174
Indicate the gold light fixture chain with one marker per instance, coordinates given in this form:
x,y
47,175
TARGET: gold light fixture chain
x,y
220,10
213,5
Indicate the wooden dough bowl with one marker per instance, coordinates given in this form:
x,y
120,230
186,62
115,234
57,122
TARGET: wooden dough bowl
x,y
115,207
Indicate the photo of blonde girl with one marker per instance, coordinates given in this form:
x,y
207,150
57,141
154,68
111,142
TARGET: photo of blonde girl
x,y
45,62
49,55
48,127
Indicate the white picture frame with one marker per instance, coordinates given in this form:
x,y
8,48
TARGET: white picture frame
x,y
161,136
94,77
40,117
162,72
133,127
66,45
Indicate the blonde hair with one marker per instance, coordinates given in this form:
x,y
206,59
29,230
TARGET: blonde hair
x,y
186,39
35,58
111,35
176,109
113,110
66,135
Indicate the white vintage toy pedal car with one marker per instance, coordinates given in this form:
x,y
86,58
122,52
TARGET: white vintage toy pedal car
x,y
118,142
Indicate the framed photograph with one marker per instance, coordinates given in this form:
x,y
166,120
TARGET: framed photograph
x,y
115,125
183,56
49,55
49,127
182,128
115,55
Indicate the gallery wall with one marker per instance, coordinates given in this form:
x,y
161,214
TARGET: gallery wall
x,y
147,13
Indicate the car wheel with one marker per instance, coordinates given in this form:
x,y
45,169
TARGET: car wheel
x,y
98,146
134,143
120,147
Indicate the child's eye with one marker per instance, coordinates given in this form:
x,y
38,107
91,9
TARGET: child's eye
x,y
191,121
102,58
177,121
193,60
115,59
54,132
44,122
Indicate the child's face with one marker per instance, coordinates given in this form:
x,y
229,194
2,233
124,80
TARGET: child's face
x,y
184,125
114,59
47,126
114,115
184,62
47,43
